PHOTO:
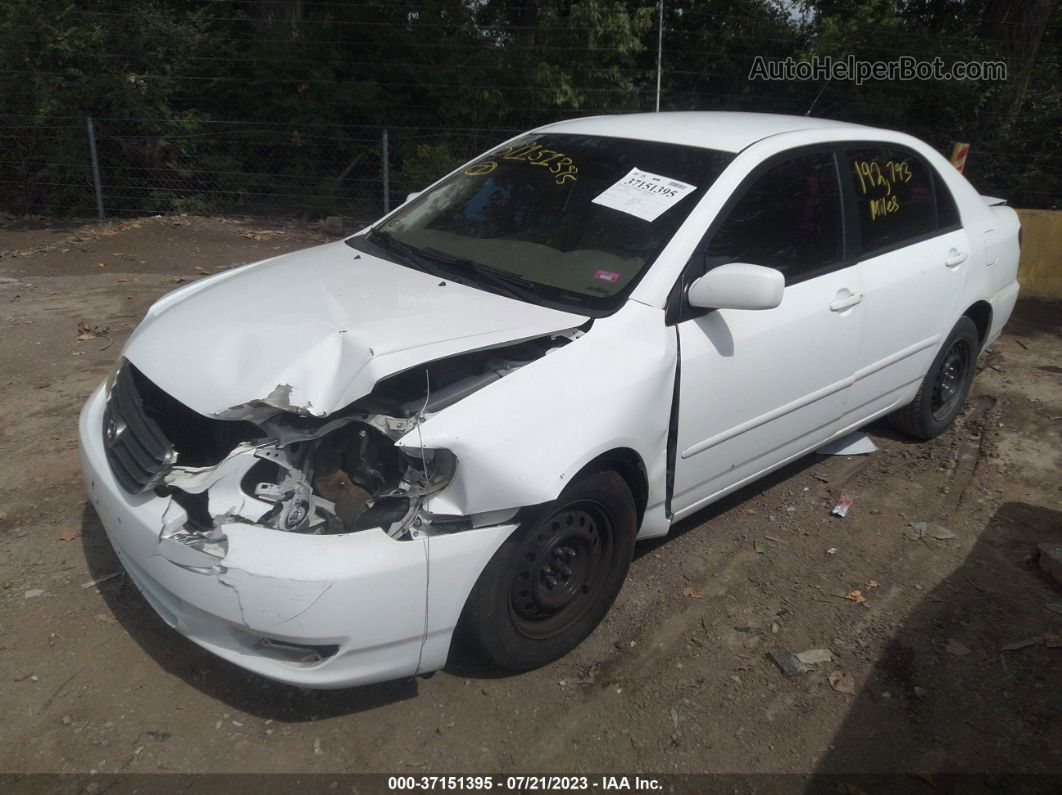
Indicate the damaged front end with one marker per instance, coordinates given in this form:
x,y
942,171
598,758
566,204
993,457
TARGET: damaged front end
x,y
289,471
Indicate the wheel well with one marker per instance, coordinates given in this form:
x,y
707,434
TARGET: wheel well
x,y
981,314
628,465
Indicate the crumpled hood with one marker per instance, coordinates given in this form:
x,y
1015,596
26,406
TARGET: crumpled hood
x,y
314,330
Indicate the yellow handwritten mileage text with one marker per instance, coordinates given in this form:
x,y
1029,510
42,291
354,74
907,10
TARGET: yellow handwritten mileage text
x,y
873,174
899,172
877,177
884,206
559,164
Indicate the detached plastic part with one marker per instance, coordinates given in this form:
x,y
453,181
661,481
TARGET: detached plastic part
x,y
855,443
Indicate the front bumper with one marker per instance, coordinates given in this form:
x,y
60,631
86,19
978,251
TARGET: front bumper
x,y
363,601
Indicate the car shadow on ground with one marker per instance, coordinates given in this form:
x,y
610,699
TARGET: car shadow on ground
x,y
729,502
945,697
211,675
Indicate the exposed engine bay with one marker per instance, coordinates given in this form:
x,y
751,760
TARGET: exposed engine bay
x,y
298,473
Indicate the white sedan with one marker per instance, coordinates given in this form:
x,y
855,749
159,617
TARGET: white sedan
x,y
321,465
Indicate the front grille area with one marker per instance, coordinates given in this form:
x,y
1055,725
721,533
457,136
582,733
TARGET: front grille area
x,y
138,451
198,441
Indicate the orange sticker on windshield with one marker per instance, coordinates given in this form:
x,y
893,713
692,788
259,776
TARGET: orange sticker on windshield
x,y
607,276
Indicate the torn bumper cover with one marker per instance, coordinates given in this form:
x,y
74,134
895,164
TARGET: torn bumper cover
x,y
316,610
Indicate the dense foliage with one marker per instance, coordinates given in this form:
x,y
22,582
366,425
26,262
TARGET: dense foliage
x,y
278,104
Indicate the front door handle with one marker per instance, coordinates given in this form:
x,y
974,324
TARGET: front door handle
x,y
845,299
955,257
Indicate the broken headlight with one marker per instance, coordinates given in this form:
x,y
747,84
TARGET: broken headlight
x,y
434,469
350,479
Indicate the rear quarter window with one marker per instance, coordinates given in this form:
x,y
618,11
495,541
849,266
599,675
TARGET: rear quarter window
x,y
894,197
947,211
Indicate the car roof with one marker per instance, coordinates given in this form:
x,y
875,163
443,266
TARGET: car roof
x,y
722,130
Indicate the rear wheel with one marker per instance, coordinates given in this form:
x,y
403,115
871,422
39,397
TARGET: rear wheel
x,y
943,391
554,578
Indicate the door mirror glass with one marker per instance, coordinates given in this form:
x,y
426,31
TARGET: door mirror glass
x,y
737,285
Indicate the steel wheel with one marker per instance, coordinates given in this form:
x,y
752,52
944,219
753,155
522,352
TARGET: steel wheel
x,y
943,390
560,565
552,581
951,377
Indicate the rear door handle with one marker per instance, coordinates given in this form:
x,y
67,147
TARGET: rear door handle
x,y
955,257
845,299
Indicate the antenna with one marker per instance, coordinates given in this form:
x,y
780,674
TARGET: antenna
x,y
814,101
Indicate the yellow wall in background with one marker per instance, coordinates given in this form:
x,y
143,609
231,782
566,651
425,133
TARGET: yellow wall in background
x,y
1040,271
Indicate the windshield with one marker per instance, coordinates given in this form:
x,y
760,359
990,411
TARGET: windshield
x,y
560,219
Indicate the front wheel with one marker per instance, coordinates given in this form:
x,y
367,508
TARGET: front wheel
x,y
553,580
943,391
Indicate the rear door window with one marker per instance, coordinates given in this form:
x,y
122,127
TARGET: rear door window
x,y
894,197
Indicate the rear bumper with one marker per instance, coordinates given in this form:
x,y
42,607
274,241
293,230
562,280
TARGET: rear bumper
x,y
313,611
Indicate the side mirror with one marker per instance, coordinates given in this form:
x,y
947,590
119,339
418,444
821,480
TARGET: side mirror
x,y
737,285
411,196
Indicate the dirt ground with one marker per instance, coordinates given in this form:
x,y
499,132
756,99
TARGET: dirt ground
x,y
676,679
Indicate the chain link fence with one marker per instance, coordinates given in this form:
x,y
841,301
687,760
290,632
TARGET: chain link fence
x,y
80,167
76,167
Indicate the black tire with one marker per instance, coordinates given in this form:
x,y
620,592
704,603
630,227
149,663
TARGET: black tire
x,y
943,391
553,580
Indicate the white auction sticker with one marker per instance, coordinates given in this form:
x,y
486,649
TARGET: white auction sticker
x,y
644,195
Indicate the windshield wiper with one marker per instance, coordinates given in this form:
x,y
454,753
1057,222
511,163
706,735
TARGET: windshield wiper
x,y
512,284
411,254
516,286
504,282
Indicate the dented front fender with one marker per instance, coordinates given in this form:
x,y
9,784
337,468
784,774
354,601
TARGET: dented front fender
x,y
520,440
